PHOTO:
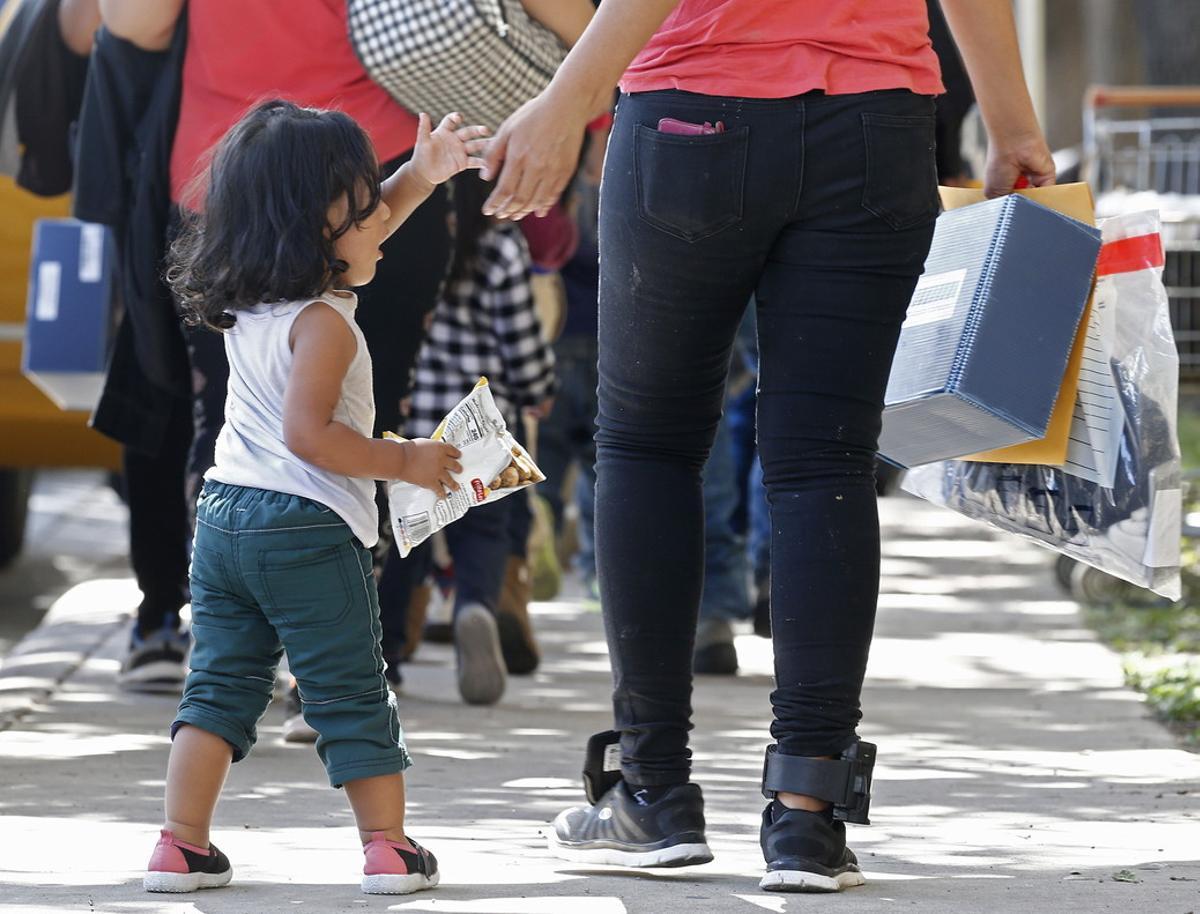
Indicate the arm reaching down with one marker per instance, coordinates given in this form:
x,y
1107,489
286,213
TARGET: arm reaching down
x,y
535,151
987,39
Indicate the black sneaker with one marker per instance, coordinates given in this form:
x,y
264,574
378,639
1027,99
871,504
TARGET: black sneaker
x,y
156,662
176,866
806,852
625,829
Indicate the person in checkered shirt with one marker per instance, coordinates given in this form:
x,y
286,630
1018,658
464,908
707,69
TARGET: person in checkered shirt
x,y
484,325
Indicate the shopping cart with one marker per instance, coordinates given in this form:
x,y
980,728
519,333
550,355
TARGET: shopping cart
x,y
1141,148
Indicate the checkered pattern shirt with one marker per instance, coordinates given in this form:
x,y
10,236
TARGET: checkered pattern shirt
x,y
485,325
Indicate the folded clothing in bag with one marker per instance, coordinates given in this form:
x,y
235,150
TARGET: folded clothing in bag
x,y
989,331
493,465
1130,529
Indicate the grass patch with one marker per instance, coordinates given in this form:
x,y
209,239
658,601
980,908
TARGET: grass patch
x,y
1160,644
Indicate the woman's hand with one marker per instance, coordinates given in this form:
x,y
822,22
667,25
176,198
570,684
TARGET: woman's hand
x,y
538,148
428,464
1012,158
442,153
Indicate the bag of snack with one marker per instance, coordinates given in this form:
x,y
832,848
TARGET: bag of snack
x,y
493,465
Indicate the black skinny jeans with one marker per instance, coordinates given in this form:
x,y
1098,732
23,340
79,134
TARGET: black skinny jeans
x,y
822,207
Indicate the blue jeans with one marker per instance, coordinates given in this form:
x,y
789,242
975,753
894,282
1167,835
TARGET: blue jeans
x,y
726,594
823,208
274,572
567,435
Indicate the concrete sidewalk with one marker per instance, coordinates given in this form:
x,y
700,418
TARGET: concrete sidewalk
x,y
1015,772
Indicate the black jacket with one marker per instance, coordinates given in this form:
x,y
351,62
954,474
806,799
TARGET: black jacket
x,y
41,85
126,128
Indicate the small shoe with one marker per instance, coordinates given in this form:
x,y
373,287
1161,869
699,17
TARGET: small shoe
x,y
176,866
481,672
517,643
715,653
156,662
806,852
626,829
397,868
295,728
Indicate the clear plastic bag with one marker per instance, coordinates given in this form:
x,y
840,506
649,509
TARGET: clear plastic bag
x,y
1132,528
493,465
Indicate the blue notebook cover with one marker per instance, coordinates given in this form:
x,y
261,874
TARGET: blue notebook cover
x,y
982,353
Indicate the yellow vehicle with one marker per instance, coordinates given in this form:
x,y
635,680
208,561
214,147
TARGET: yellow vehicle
x,y
33,431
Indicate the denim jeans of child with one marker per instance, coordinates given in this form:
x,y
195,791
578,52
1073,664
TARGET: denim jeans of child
x,y
822,207
271,572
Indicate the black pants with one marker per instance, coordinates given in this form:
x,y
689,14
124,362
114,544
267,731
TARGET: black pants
x,y
822,207
480,544
162,489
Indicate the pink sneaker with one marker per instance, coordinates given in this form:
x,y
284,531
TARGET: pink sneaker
x,y
176,866
396,867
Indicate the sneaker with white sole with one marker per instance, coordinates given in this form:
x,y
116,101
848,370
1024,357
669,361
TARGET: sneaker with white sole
x,y
626,829
176,866
397,867
481,672
295,728
806,852
156,662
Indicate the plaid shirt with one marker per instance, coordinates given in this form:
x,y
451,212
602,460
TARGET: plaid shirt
x,y
485,325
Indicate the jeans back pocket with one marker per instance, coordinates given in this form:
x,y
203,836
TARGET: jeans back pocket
x,y
690,186
901,180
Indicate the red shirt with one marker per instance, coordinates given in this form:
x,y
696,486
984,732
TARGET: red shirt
x,y
240,52
780,48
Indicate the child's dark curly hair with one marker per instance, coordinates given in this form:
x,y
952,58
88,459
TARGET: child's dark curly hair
x,y
265,234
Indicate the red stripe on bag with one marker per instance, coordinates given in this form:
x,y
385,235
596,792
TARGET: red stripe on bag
x,y
1129,255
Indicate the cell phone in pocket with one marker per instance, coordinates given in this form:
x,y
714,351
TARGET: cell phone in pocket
x,y
685,128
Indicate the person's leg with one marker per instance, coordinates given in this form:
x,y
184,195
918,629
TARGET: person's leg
x,y
725,597
839,279
687,223
159,535
518,645
316,585
678,264
759,544
227,691
478,543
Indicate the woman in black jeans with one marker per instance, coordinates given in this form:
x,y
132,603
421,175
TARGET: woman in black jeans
x,y
795,163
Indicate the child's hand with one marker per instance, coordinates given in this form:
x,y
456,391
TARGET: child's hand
x,y
429,463
443,153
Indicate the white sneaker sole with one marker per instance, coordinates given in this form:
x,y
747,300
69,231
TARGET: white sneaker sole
x,y
384,884
676,855
481,672
297,730
157,677
185,882
797,881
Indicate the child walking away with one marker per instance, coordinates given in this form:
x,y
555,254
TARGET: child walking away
x,y
295,216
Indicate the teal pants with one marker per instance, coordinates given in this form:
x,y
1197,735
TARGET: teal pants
x,y
274,572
